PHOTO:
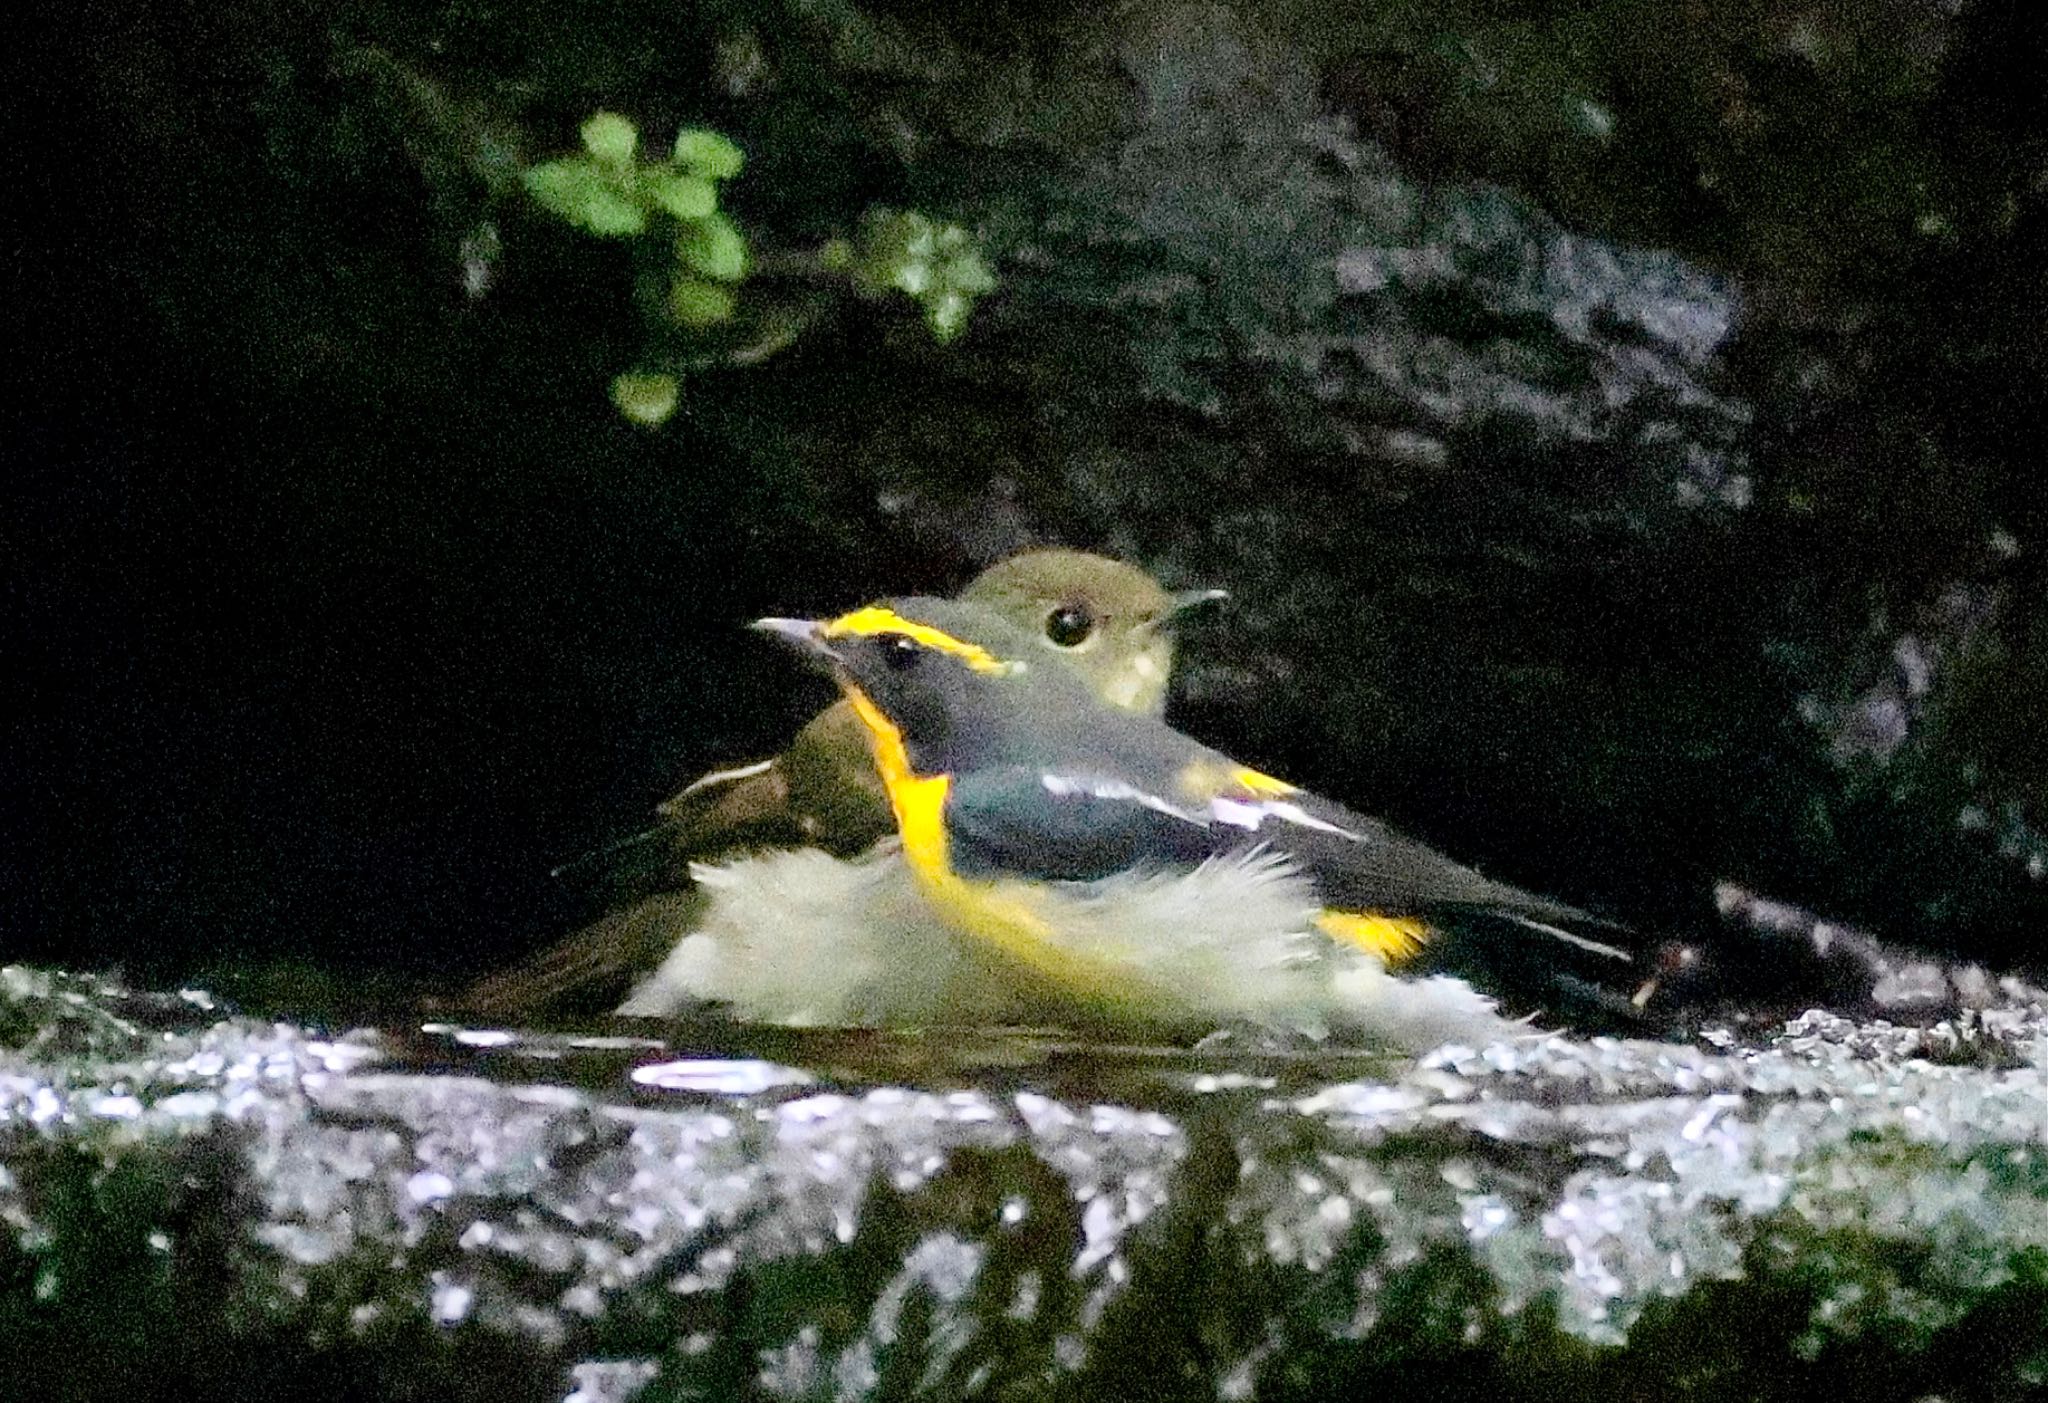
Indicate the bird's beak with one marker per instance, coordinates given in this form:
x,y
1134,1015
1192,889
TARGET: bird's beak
x,y
1181,601
807,636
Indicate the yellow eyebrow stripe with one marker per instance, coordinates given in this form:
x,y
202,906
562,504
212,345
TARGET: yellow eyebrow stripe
x,y
1394,939
874,619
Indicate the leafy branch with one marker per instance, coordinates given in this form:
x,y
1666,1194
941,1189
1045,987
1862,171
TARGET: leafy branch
x,y
611,190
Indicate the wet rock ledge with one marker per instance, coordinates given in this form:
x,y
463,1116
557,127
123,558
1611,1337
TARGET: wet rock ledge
x,y
204,1205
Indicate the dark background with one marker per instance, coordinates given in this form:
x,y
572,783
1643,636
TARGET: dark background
x,y
1620,431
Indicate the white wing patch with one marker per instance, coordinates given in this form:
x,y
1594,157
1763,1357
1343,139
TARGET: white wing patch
x,y
1251,814
718,777
1248,814
1084,787
1237,813
1296,814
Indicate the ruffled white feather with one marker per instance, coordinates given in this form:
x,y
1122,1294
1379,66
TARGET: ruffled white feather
x,y
804,938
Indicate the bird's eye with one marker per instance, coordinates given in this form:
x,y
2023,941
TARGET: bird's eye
x,y
1069,626
900,651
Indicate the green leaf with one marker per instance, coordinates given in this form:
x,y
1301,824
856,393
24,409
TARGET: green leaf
x,y
583,193
939,266
714,248
611,138
969,274
913,276
684,196
708,154
694,302
644,398
946,314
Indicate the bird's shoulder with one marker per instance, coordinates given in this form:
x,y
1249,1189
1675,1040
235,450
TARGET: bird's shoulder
x,y
1132,796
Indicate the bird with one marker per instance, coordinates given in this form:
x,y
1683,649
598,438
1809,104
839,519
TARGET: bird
x,y
1097,863
1110,623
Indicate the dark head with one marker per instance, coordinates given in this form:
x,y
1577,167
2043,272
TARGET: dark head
x,y
952,679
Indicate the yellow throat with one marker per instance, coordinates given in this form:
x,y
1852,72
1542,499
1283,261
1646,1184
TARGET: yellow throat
x,y
1007,915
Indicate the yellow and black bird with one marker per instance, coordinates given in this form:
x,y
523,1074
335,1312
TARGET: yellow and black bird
x,y
1095,862
1108,623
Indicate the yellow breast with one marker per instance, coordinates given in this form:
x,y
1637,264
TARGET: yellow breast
x,y
1010,916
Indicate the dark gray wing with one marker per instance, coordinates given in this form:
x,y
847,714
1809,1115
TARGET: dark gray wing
x,y
1360,864
1073,827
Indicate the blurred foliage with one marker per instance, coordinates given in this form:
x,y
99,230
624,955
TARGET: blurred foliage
x,y
611,192
935,265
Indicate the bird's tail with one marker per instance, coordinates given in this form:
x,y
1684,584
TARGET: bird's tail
x,y
591,971
1566,968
